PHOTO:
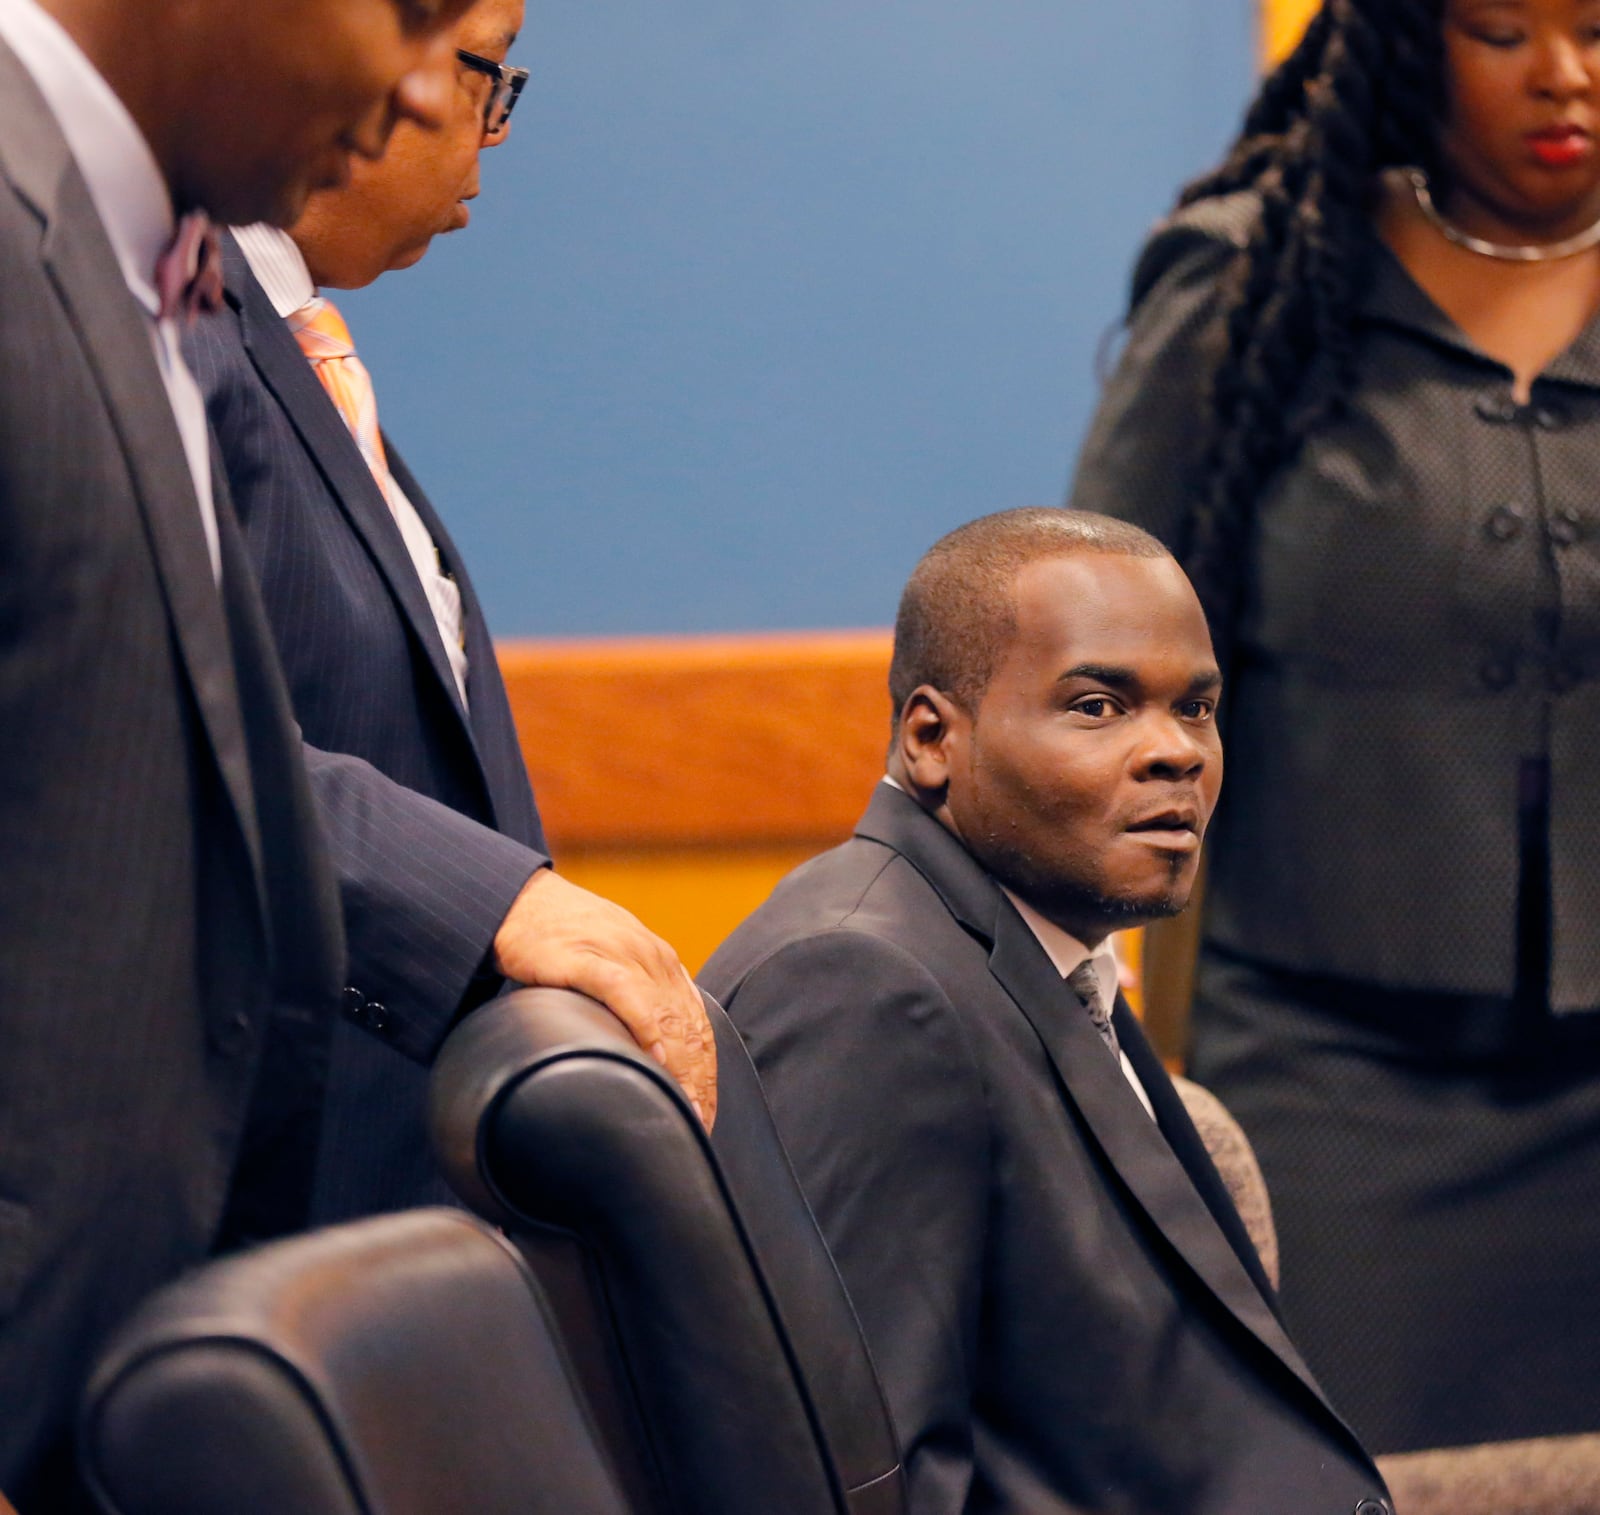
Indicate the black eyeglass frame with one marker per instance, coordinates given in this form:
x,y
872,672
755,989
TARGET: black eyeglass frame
x,y
508,85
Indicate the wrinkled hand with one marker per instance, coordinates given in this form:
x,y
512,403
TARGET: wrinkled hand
x,y
559,936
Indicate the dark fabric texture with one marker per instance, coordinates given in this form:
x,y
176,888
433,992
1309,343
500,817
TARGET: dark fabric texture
x,y
429,815
1064,1308
1404,885
161,885
1438,1216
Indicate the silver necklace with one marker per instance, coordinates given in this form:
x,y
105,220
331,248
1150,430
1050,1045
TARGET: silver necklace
x,y
1528,252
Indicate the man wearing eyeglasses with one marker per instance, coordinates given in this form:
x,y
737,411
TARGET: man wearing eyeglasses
x,y
414,760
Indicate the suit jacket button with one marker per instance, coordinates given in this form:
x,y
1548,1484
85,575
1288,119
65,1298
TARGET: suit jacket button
x,y
1373,1507
1504,523
1565,527
377,1016
231,1035
1498,673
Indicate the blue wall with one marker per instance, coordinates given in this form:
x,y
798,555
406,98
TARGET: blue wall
x,y
757,302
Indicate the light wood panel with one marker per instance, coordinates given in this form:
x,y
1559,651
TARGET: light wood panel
x,y
749,740
683,777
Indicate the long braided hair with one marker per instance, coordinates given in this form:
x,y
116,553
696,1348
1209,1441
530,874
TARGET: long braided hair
x,y
1362,92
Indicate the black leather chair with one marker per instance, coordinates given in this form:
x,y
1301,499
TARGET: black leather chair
x,y
403,1365
717,1349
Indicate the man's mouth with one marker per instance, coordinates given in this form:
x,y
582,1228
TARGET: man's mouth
x,y
1175,826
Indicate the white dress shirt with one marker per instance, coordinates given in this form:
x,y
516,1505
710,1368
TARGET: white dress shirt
x,y
134,206
281,271
1067,952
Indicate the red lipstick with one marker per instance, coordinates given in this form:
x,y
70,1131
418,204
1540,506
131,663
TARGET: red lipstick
x,y
1560,146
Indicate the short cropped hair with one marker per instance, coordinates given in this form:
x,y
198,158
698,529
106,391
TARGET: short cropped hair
x,y
958,612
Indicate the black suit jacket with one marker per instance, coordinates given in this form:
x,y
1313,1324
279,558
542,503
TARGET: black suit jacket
x,y
428,810
1063,1305
160,885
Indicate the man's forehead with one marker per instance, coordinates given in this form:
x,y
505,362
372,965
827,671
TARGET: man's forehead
x,y
1108,610
1105,600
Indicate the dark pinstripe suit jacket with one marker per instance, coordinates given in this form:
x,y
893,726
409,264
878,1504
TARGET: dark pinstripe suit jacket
x,y
160,884
428,810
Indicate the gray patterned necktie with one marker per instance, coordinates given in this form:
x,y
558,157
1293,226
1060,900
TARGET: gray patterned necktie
x,y
1084,981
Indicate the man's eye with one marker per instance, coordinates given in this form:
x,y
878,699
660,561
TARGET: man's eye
x,y
1197,710
1096,706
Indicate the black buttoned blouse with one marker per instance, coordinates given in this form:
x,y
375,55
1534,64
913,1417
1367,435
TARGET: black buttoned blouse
x,y
1418,631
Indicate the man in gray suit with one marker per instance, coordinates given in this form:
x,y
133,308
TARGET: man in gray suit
x,y
1062,1302
169,939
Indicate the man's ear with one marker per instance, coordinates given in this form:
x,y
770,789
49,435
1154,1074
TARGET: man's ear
x,y
922,743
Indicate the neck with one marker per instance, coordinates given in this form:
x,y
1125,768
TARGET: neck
x,y
1481,216
132,47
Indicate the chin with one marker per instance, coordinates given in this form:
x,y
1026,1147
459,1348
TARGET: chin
x,y
407,259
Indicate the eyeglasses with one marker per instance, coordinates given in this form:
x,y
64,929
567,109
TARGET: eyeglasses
x,y
508,83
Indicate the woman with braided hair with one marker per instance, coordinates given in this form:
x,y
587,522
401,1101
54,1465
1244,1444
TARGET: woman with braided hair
x,y
1360,397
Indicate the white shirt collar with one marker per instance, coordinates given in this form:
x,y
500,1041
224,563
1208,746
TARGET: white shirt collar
x,y
124,181
1066,951
278,264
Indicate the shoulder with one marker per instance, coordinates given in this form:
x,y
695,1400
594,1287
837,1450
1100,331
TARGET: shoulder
x,y
854,910
840,967
1195,244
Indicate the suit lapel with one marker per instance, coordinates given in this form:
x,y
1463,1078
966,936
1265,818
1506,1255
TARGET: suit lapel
x,y
1156,1173
285,371
494,731
1189,1148
78,259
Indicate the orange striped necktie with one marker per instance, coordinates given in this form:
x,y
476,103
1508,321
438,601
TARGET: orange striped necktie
x,y
325,340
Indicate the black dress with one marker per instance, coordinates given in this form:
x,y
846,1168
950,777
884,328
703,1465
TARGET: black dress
x,y
1401,952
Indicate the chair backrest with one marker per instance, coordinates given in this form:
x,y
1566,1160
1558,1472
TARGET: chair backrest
x,y
1235,1161
721,1355
403,1365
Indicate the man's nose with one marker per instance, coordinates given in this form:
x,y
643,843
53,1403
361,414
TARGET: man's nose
x,y
423,93
1172,748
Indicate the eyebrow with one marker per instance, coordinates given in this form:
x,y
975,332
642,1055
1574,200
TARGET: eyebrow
x,y
1114,677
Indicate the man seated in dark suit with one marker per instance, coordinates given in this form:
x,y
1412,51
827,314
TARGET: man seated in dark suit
x,y
1062,1302
414,761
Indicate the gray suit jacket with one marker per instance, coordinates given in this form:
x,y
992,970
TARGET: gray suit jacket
x,y
160,886
1063,1306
